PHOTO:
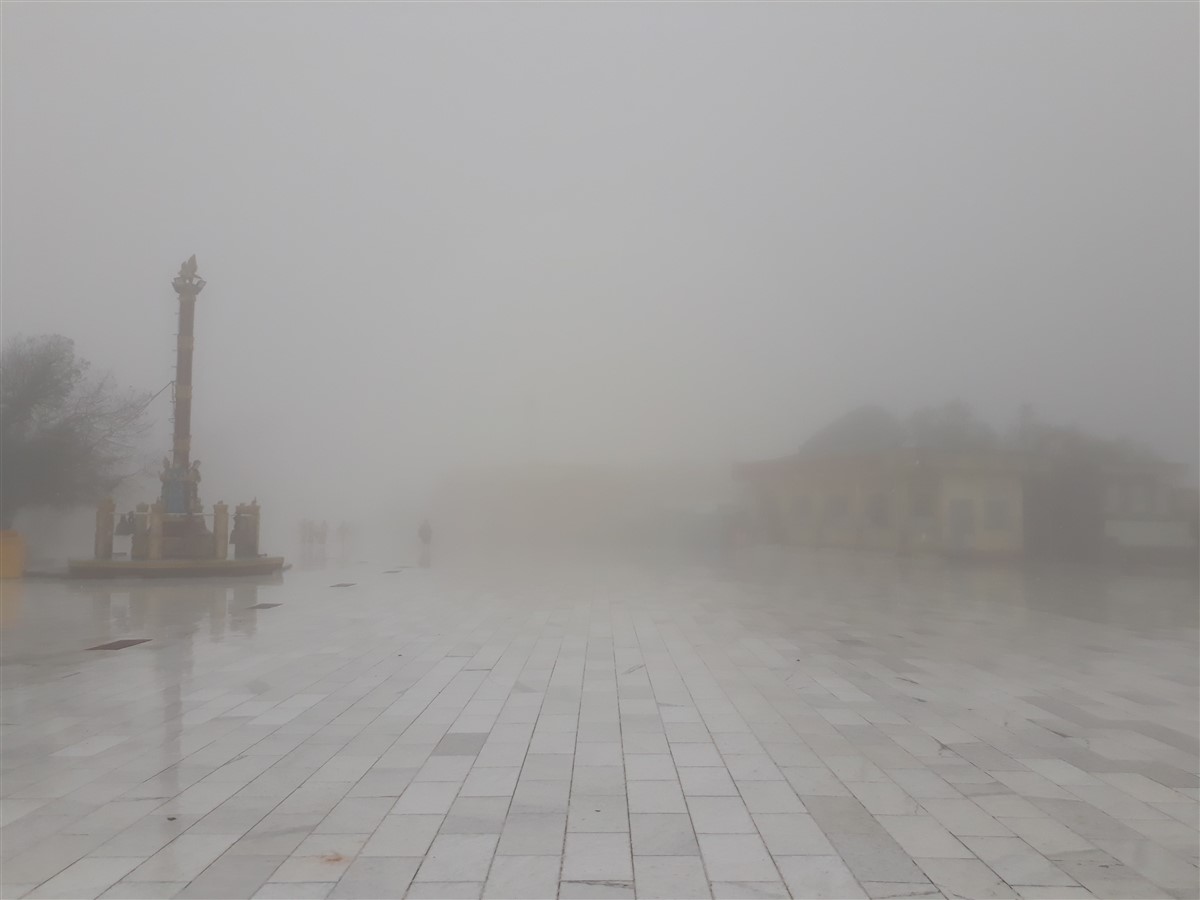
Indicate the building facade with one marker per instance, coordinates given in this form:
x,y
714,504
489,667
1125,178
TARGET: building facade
x,y
906,501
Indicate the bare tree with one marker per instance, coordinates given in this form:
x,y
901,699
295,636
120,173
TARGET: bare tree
x,y
65,438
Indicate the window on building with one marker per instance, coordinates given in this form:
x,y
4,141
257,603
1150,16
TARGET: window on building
x,y
996,515
877,510
1181,502
800,509
960,520
1113,500
836,509
924,498
1162,498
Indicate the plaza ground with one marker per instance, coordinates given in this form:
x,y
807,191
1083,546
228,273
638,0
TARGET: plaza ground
x,y
774,727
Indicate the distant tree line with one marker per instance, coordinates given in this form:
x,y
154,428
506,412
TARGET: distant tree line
x,y
954,427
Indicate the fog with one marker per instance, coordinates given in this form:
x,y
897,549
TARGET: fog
x,y
464,235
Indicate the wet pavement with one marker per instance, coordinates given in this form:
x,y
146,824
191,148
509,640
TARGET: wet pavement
x,y
827,727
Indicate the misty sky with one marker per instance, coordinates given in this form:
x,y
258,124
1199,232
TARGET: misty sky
x,y
437,234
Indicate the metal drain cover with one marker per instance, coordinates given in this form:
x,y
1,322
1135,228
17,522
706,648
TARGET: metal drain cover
x,y
120,645
264,606
344,584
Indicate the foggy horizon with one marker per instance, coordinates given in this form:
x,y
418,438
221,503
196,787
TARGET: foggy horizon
x,y
701,450
456,236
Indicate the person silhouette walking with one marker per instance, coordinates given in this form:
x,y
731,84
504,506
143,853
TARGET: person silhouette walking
x,y
426,535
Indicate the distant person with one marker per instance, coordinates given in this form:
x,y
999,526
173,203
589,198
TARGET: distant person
x,y
426,535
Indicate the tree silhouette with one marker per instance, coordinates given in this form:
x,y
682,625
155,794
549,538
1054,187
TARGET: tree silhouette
x,y
64,437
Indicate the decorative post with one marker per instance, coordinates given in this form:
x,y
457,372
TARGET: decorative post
x,y
245,531
141,532
254,521
155,540
104,528
221,529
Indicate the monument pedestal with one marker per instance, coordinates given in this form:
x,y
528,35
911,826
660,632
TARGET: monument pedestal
x,y
174,568
187,537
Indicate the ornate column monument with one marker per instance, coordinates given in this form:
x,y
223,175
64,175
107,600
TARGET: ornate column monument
x,y
185,534
171,536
